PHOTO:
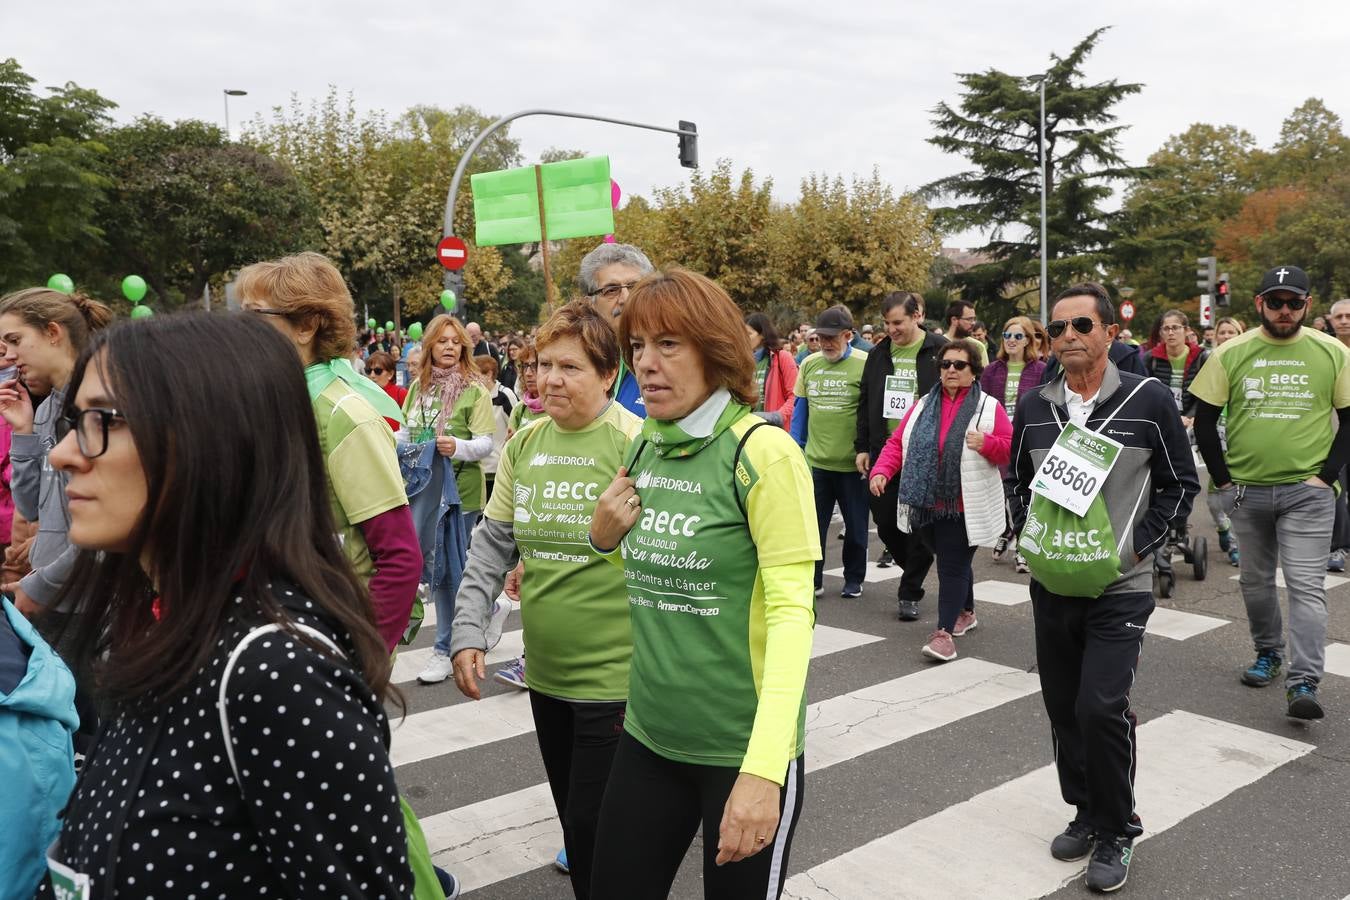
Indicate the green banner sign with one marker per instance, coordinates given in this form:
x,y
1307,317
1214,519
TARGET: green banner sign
x,y
577,202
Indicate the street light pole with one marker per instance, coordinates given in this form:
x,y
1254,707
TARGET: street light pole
x,y
1045,168
230,92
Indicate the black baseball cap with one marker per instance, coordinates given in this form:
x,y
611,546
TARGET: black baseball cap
x,y
1284,278
834,320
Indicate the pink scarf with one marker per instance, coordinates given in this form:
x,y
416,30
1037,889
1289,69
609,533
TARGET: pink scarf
x,y
448,384
533,402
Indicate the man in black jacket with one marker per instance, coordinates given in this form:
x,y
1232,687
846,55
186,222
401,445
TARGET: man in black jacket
x,y
900,369
1087,647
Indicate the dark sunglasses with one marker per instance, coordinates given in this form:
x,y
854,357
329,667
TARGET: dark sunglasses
x,y
1294,303
1014,336
376,370
1081,324
959,365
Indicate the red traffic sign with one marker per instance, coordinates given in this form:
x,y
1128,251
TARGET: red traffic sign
x,y
1127,310
452,253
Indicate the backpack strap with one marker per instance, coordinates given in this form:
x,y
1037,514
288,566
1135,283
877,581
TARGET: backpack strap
x,y
736,462
229,668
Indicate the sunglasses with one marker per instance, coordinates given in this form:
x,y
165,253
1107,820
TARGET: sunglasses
x,y
1014,336
376,370
959,365
1081,324
1295,303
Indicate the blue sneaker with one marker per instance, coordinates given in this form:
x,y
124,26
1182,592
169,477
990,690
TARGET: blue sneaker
x,y
513,673
1303,703
449,884
1225,540
1234,558
560,862
1263,671
1336,561
851,590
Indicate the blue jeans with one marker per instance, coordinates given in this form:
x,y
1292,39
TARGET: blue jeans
x,y
444,596
1288,525
849,490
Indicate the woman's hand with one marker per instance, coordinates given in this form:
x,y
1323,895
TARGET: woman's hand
x,y
878,485
512,586
975,440
470,668
616,512
863,463
749,819
445,445
16,406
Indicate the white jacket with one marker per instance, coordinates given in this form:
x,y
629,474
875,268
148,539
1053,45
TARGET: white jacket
x,y
981,483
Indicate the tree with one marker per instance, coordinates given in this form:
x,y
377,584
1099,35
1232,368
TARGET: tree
x,y
50,177
852,245
187,206
1312,147
996,127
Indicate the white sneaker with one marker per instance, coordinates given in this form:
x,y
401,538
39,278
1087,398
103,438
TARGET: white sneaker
x,y
501,609
437,670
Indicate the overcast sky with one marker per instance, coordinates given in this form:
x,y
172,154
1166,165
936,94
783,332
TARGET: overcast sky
x,y
786,88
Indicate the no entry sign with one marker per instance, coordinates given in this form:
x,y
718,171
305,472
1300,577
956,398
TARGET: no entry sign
x,y
1127,310
452,253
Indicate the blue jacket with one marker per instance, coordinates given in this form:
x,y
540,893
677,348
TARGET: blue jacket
x,y
433,499
37,760
630,396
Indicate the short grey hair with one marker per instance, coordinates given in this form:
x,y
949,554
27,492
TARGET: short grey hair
x,y
1332,311
608,255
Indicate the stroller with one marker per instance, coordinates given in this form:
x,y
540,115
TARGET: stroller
x,y
1193,550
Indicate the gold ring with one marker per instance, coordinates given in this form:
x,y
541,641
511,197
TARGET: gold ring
x,y
759,839
633,501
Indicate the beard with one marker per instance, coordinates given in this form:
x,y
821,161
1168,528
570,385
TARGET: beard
x,y
1279,330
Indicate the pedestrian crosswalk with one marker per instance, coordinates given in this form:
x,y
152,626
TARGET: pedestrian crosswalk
x,y
1189,762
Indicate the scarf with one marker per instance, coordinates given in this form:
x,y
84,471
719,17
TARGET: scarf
x,y
687,436
930,482
446,387
533,402
321,374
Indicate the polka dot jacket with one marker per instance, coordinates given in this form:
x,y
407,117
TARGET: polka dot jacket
x,y
157,812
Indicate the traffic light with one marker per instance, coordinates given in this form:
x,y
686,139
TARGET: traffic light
x,y
1222,296
688,145
1207,274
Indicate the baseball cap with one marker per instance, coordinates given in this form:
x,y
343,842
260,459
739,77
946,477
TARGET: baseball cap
x,y
834,320
1284,278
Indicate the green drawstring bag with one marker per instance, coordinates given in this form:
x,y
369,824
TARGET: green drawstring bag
x,y
1069,554
426,886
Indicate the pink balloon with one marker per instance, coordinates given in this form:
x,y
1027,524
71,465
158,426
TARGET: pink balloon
x,y
609,239
614,193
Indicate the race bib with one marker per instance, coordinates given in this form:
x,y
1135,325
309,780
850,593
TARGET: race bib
x,y
67,884
1074,471
898,396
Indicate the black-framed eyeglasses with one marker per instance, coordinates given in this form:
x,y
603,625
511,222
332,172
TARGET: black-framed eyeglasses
x,y
529,367
1081,324
1294,303
610,291
959,365
90,427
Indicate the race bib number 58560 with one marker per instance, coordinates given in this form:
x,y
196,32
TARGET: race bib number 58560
x,y
1074,471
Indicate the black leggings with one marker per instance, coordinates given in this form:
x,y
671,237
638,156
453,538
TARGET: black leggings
x,y
653,807
577,742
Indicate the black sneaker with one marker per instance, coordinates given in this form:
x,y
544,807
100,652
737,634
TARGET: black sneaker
x,y
885,561
1303,703
909,610
1264,670
1075,843
1110,864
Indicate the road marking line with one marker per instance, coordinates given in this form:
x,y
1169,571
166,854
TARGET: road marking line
x,y
1333,581
462,726
505,836
1181,626
409,662
1004,593
873,572
1186,763
1338,661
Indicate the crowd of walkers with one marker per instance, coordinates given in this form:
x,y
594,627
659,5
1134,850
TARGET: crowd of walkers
x,y
211,567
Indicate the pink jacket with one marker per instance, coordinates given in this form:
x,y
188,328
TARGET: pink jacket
x,y
6,498
778,385
997,446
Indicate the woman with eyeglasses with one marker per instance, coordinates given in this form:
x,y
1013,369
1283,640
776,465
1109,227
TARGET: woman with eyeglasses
x,y
380,369
947,452
246,747
1014,372
531,405
606,276
1175,361
305,298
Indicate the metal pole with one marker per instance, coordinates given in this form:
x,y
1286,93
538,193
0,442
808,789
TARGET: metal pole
x,y
227,114
1045,168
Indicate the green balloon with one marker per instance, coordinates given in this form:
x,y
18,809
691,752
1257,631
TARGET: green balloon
x,y
388,326
133,288
415,331
448,300
370,323
61,283
141,312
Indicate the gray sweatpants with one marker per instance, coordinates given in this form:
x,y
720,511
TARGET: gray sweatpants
x,y
1288,525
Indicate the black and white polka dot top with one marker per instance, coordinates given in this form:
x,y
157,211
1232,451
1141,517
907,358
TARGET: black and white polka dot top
x,y
157,812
